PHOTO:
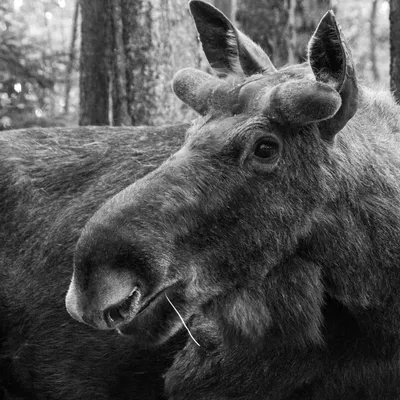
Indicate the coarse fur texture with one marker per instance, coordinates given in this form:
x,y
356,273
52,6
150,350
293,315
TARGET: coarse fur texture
x,y
274,231
51,182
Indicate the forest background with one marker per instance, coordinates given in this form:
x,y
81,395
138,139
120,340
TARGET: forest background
x,y
110,62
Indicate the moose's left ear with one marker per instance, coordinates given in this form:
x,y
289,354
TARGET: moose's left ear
x,y
227,49
331,62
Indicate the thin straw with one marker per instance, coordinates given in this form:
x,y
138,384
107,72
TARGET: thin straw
x,y
183,322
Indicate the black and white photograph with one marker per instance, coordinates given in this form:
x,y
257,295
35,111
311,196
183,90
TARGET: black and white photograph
x,y
199,199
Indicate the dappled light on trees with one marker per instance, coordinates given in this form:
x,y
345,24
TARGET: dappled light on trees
x,y
131,50
33,58
355,18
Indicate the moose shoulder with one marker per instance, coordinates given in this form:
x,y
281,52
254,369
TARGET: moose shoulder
x,y
274,231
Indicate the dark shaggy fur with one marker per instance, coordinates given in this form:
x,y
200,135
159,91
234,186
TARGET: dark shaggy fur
x,y
274,231
51,182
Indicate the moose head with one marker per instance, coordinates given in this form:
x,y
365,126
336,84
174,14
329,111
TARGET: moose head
x,y
252,223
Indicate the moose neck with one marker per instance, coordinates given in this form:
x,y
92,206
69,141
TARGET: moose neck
x,y
360,219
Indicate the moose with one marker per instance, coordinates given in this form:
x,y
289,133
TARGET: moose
x,y
271,235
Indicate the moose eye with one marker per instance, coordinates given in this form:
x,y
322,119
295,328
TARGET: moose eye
x,y
266,149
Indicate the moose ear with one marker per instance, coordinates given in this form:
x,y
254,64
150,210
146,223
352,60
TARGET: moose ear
x,y
227,49
331,62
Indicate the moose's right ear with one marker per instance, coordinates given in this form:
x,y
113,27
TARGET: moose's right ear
x,y
332,64
227,49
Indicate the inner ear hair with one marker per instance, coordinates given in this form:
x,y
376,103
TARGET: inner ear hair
x,y
326,53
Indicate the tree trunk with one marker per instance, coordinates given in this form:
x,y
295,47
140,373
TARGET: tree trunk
x,y
117,69
141,62
119,82
395,48
94,63
71,60
372,26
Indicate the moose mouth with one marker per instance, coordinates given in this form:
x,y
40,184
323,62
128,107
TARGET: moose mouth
x,y
132,309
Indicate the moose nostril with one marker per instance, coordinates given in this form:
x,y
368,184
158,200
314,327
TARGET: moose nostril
x,y
123,311
115,315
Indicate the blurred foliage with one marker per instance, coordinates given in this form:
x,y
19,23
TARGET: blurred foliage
x,y
354,17
35,37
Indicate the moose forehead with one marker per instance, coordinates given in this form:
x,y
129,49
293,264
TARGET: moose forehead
x,y
291,97
235,106
237,95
